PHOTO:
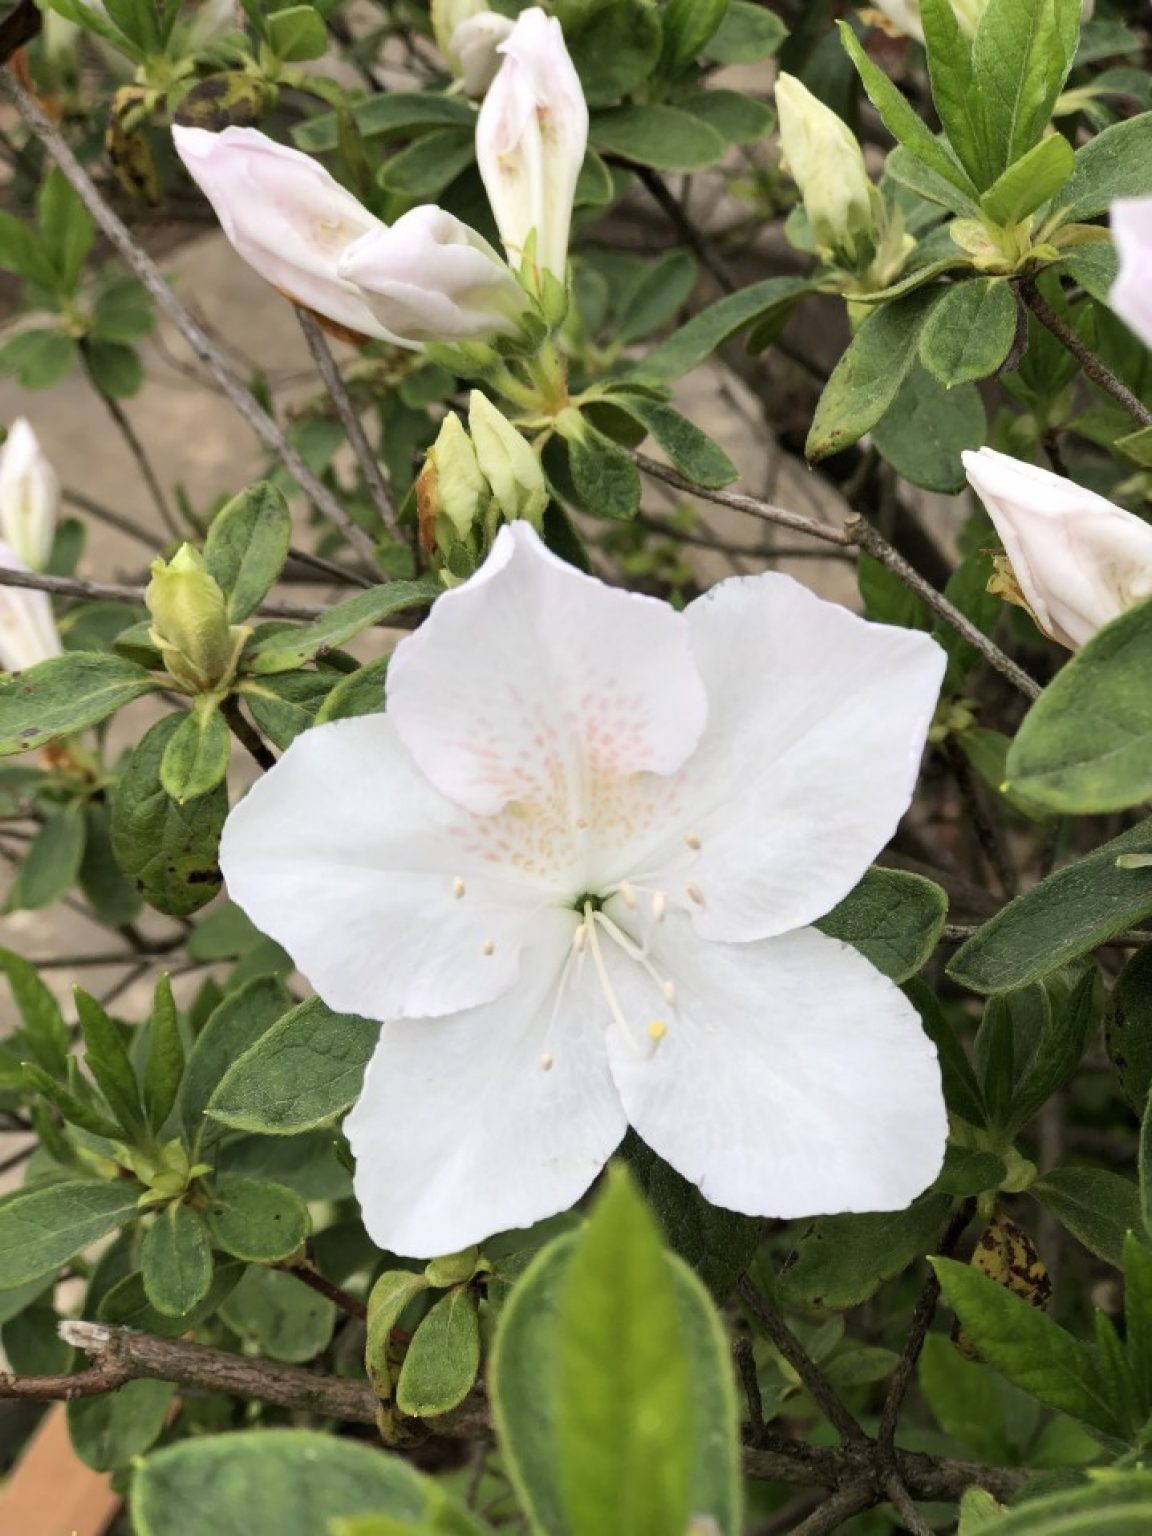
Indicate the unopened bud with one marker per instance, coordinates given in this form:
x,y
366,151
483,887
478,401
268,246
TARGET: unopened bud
x,y
190,623
827,165
29,496
452,494
453,1268
507,461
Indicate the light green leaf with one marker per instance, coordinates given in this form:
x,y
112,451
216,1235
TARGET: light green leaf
x,y
1021,56
176,1260
970,331
1029,183
247,545
297,33
41,1229
443,1358
661,137
254,1220
390,1295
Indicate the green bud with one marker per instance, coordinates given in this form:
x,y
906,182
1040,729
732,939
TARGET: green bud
x,y
190,623
507,461
452,494
453,1268
827,165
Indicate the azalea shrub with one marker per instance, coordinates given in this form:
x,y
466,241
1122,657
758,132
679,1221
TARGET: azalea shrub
x,y
640,1043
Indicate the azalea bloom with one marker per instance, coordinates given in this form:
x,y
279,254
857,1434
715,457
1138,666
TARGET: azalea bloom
x,y
1079,560
27,626
29,496
1131,295
286,216
530,141
572,869
431,278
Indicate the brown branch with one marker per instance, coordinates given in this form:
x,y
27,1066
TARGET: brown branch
x,y
378,487
311,1277
850,1500
269,432
247,734
1093,367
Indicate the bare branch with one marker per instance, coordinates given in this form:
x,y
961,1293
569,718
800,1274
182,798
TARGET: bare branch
x,y
1094,368
816,1384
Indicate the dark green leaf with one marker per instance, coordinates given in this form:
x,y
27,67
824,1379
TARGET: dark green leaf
x,y
41,1229
604,479
52,864
927,428
1097,1206
690,450
234,1025
842,1260
694,342
660,137
1116,163
748,34
45,1031
970,331
429,164
176,1260
739,118
257,1221
1021,56
110,1431
165,1067
443,1358
288,649
106,1057
282,1317
1128,1030
64,695
893,918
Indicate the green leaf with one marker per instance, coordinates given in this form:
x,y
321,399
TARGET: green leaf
x,y
894,919
360,693
196,758
953,88
901,120
165,1067
297,33
1057,921
74,1104
304,1071
689,450
965,1400
66,228
443,1358
284,705
747,35
970,331
1137,1263
278,1482
526,1385
44,1031
429,164
615,47
1096,1205
288,649
1145,1168
106,1057
1026,1347
739,118
390,1295
52,864
688,25
116,370
1086,744
664,286
1021,56
1116,163
868,377
389,112
1067,1025
1128,1030
234,1025
604,479
927,428
280,1315
41,1229
247,545
1030,182
661,137
176,1260
64,695
109,894
842,1260
110,1431
1115,1503
695,342
168,851
254,1220
38,358
717,1244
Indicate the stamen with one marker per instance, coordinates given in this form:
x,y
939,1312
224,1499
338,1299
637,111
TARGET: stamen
x,y
657,1030
458,887
628,894
669,990
580,938
659,906
547,1061
695,893
693,842
489,946
590,919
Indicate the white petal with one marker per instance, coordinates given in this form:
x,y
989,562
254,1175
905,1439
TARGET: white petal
x,y
1131,295
460,1132
535,683
344,855
28,633
793,1079
816,725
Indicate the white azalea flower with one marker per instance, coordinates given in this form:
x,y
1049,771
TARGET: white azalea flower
x,y
27,626
1131,295
572,869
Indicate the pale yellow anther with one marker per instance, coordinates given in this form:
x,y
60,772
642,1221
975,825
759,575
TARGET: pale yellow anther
x,y
668,988
659,906
489,946
628,893
695,893
547,1061
458,887
580,938
693,842
657,1030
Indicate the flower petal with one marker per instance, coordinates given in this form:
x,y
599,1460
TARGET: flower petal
x,y
1131,295
793,1079
344,855
535,683
460,1132
816,725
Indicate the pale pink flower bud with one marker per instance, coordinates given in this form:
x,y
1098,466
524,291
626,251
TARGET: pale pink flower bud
x,y
1079,560
288,218
431,278
530,141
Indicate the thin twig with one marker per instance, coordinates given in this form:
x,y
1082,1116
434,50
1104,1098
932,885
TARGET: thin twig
x,y
329,567
815,1383
905,1507
746,1369
150,275
103,514
247,734
311,1277
1094,367
378,487
850,1500
135,447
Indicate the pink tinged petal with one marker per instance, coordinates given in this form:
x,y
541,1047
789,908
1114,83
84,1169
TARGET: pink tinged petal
x,y
347,857
490,1119
792,1079
816,725
535,684
285,215
1131,295
1080,560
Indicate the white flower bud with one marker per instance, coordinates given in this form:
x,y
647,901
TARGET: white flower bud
x,y
530,141
27,626
507,461
1078,560
474,53
1131,295
29,496
827,165
288,218
431,278
446,16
